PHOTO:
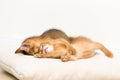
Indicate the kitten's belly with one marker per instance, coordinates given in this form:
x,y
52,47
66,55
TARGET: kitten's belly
x,y
78,49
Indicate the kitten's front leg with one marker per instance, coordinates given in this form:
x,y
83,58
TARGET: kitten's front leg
x,y
38,55
65,57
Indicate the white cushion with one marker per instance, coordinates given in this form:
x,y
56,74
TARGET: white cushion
x,y
26,67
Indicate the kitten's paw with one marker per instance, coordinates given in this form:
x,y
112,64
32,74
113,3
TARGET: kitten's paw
x,y
65,58
37,55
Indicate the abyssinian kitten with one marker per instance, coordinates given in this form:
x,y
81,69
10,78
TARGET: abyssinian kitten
x,y
50,45
84,48
30,45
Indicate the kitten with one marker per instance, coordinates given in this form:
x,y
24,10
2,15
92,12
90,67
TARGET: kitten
x,y
84,48
29,46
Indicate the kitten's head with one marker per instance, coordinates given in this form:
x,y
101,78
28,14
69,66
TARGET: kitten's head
x,y
29,47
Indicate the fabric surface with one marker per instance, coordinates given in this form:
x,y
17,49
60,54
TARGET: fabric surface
x,y
25,67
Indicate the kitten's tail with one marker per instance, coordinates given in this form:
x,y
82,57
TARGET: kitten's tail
x,y
105,50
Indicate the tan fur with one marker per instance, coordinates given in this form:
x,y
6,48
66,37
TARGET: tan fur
x,y
55,34
64,47
61,47
30,45
84,49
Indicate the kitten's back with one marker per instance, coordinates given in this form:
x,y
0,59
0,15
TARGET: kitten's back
x,y
55,34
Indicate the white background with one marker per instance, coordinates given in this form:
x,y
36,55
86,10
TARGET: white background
x,y
96,19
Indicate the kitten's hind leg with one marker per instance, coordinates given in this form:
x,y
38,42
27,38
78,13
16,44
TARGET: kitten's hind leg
x,y
82,55
88,54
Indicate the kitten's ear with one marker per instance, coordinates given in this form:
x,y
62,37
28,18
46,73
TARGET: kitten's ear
x,y
19,51
23,47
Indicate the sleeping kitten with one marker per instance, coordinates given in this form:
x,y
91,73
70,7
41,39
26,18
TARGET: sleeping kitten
x,y
29,46
84,49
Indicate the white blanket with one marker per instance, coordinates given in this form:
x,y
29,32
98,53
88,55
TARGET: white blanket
x,y
26,67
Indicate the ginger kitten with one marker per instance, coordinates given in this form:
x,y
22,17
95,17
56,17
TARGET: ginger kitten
x,y
29,46
54,43
84,48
